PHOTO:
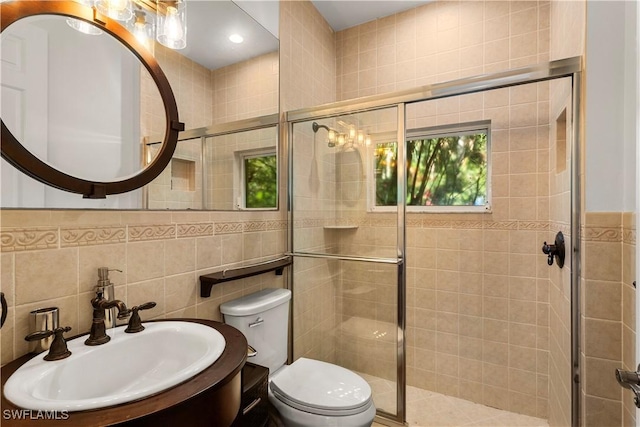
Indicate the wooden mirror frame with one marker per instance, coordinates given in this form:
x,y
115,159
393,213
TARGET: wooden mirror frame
x,y
21,158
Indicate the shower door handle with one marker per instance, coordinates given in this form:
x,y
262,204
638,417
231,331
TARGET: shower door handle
x,y
630,380
555,250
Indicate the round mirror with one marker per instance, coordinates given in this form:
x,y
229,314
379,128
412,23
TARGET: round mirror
x,y
70,91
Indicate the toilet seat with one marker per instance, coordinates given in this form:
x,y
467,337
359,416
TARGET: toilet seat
x,y
326,389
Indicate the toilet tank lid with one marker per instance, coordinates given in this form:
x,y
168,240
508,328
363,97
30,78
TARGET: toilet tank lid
x,y
256,303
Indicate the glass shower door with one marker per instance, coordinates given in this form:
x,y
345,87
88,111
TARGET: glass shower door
x,y
348,270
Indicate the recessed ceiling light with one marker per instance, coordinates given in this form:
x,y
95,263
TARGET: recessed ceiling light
x,y
236,38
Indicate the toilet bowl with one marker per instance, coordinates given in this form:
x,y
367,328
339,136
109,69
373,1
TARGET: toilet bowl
x,y
308,392
314,393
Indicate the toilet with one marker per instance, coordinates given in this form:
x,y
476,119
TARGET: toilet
x,y
308,392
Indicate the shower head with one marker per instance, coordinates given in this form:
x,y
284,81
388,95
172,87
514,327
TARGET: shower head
x,y
316,127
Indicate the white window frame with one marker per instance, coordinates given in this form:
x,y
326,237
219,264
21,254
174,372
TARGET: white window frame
x,y
239,184
424,133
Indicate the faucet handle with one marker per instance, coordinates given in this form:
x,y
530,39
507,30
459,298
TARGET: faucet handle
x,y
58,349
135,323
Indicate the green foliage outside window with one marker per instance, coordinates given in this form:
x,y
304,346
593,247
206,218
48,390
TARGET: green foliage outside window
x,y
261,181
448,170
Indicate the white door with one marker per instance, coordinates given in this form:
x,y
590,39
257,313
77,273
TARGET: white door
x,y
24,109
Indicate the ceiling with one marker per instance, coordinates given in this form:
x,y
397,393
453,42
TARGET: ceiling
x,y
209,25
211,22
342,14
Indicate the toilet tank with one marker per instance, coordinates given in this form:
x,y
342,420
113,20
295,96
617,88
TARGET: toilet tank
x,y
263,318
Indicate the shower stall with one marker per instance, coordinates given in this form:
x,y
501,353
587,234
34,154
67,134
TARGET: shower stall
x,y
416,222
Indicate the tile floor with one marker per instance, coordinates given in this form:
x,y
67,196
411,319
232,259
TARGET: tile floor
x,y
429,409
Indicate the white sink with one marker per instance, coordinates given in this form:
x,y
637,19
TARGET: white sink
x,y
127,368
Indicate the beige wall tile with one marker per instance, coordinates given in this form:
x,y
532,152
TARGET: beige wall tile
x,y
145,260
44,275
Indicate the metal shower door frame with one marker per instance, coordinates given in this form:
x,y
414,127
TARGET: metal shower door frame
x,y
564,68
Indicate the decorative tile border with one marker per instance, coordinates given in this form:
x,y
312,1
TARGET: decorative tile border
x,y
250,226
228,227
534,225
500,225
277,225
24,239
602,234
92,236
195,230
629,236
151,232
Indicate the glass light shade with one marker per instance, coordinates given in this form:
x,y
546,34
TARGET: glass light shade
x,y
171,23
119,10
143,30
83,26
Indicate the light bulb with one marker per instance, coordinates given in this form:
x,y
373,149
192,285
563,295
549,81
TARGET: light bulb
x,y
236,38
360,137
341,139
332,135
172,25
143,31
119,5
115,9
367,140
140,32
352,132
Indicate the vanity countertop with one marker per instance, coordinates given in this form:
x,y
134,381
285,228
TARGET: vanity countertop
x,y
214,392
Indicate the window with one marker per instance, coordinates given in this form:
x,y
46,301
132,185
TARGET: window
x,y
259,179
447,169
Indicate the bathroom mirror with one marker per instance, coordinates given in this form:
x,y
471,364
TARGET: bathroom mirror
x,y
212,93
68,99
227,167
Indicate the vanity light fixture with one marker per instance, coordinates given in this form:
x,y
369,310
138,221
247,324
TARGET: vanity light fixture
x,y
236,38
120,10
170,17
172,23
350,138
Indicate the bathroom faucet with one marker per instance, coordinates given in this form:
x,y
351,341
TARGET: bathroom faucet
x,y
98,334
58,349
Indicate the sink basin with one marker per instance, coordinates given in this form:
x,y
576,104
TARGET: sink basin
x,y
127,368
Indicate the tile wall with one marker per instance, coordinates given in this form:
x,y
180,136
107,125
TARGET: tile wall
x,y
307,58
222,159
438,42
50,258
246,89
608,316
204,97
